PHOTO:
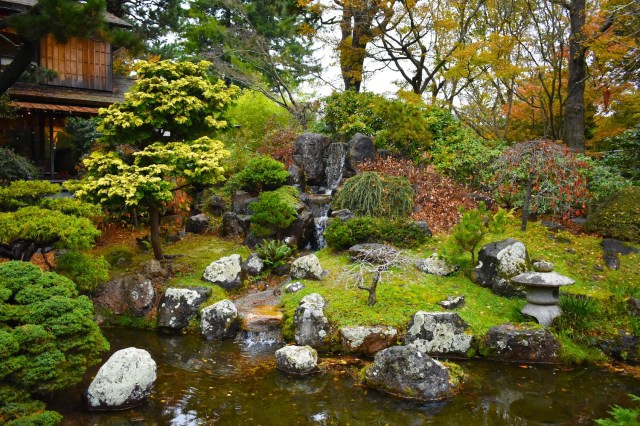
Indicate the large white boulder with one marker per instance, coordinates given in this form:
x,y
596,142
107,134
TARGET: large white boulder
x,y
297,359
124,381
225,272
307,267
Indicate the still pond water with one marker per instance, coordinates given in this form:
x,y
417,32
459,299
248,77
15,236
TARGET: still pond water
x,y
204,383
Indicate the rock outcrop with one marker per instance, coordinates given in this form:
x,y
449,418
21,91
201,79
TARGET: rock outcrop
x,y
367,340
499,262
509,342
434,265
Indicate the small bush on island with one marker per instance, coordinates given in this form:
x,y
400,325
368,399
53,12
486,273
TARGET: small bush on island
x,y
376,195
47,339
262,173
342,235
618,216
274,212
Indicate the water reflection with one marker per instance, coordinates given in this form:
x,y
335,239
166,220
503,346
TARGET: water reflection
x,y
202,383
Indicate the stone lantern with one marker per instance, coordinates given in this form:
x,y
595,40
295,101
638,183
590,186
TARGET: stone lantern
x,y
543,288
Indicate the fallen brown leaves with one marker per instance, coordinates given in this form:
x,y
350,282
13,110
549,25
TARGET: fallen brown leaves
x,y
437,199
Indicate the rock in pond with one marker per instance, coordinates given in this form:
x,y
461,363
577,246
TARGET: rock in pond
x,y
220,321
297,359
406,372
499,262
439,334
307,267
509,342
179,305
311,326
124,381
133,294
367,340
225,272
434,265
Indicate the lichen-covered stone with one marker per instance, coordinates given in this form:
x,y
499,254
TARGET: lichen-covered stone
x,y
367,340
434,265
498,262
307,267
179,305
406,372
310,323
293,287
253,265
439,333
124,381
297,359
220,321
452,302
509,342
225,272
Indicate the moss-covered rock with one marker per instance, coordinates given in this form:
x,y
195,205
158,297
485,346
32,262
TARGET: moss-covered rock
x,y
618,216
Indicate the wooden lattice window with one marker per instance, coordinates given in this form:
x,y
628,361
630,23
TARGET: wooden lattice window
x,y
83,63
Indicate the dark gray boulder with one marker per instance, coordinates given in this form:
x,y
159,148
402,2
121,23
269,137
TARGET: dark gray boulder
x,y
509,342
625,347
235,225
342,214
239,201
220,321
613,249
439,334
302,229
198,224
178,306
309,156
498,262
297,359
310,324
406,372
424,227
124,381
361,148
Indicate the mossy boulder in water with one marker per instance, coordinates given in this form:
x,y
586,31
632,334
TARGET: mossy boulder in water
x,y
406,372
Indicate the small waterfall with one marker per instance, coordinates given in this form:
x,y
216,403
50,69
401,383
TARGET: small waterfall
x,y
334,165
319,204
258,341
321,225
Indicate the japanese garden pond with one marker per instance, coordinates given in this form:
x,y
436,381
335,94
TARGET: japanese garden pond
x,y
229,383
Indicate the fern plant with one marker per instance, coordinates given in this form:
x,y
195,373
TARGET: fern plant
x,y
274,253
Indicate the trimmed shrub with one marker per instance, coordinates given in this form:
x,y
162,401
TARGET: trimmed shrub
x,y
83,269
47,338
15,167
274,212
618,216
72,206
23,193
342,235
262,173
376,195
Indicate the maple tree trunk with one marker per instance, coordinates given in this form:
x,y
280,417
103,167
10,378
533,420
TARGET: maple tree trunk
x,y
525,207
154,214
573,130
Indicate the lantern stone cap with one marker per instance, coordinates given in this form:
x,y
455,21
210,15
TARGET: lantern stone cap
x,y
542,279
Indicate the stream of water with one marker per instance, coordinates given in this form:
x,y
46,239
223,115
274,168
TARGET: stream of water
x,y
203,383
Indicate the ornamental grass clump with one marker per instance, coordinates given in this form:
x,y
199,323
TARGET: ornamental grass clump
x,y
376,195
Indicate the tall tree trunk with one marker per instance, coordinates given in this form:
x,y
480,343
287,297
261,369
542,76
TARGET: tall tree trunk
x,y
527,203
154,214
573,130
18,65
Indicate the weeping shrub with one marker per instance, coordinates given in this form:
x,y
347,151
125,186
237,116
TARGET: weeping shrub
x,y
376,195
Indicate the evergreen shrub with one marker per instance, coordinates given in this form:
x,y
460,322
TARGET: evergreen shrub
x,y
618,216
274,212
342,235
376,195
262,173
83,269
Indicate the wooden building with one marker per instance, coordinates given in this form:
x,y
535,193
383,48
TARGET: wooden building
x,y
78,81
